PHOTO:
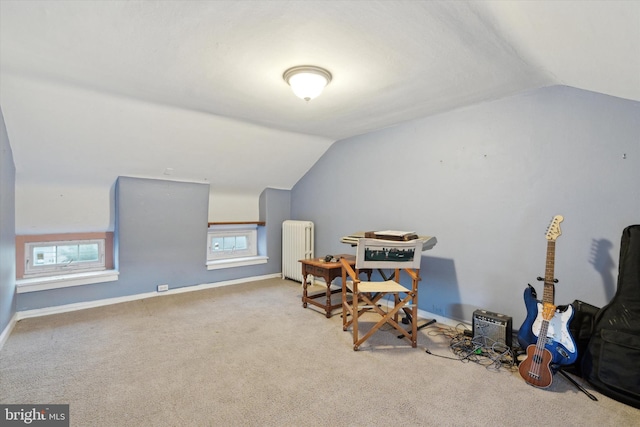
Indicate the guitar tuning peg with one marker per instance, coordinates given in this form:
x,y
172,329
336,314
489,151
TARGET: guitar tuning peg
x,y
555,280
540,279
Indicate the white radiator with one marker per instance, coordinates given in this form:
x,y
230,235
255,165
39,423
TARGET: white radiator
x,y
297,244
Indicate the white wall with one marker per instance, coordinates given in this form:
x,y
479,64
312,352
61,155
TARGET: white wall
x,y
160,238
486,181
70,144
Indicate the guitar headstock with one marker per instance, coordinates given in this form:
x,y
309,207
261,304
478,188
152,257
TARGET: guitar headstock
x,y
553,231
548,311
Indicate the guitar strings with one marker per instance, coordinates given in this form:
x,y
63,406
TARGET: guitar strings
x,y
535,368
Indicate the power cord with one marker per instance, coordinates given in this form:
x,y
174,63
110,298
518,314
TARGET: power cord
x,y
494,355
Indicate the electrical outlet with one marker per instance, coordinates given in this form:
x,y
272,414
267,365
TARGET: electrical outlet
x,y
163,288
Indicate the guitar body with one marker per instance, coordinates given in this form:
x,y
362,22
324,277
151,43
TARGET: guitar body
x,y
552,326
559,341
526,337
536,368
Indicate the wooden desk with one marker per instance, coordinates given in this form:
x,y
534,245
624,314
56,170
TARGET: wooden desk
x,y
328,271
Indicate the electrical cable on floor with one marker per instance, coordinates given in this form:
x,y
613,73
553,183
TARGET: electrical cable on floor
x,y
494,355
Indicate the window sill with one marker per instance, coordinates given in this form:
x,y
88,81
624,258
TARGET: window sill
x,y
65,280
236,262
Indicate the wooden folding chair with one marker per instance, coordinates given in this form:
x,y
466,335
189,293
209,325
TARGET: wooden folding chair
x,y
398,256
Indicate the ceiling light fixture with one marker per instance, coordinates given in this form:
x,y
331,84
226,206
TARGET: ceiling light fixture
x,y
307,81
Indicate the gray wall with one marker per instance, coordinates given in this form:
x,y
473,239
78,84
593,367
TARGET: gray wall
x,y
275,207
486,181
7,229
161,233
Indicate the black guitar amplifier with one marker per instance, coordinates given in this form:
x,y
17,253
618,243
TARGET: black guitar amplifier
x,y
492,326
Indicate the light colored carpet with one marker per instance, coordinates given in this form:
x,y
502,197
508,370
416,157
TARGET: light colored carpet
x,y
251,355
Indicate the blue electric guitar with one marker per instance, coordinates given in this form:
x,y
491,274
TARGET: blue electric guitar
x,y
559,341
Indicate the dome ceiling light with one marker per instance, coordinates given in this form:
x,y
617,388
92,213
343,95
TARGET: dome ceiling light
x,y
307,81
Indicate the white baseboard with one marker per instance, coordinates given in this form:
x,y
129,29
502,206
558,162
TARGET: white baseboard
x,y
108,301
442,320
4,336
423,314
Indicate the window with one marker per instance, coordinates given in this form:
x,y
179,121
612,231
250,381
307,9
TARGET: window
x,y
228,242
234,245
53,261
63,257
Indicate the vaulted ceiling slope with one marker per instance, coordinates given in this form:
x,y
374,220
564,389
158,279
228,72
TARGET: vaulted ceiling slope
x,y
216,66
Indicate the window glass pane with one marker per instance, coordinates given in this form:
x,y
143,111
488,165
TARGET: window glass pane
x,y
67,253
229,243
88,252
216,244
241,242
48,258
44,255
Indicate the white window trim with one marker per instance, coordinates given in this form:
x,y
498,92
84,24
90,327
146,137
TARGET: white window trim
x,y
216,263
35,284
250,230
31,270
236,262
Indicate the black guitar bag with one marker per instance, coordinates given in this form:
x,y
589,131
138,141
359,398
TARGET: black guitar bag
x,y
611,362
581,329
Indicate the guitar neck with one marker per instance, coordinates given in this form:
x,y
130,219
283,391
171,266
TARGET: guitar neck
x,y
548,295
544,328
548,311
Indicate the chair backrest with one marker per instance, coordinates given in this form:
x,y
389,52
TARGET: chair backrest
x,y
376,253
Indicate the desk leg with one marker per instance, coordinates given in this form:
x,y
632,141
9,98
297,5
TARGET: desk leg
x,y
328,309
304,289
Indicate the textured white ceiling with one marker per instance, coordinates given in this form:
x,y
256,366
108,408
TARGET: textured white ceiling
x,y
196,85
